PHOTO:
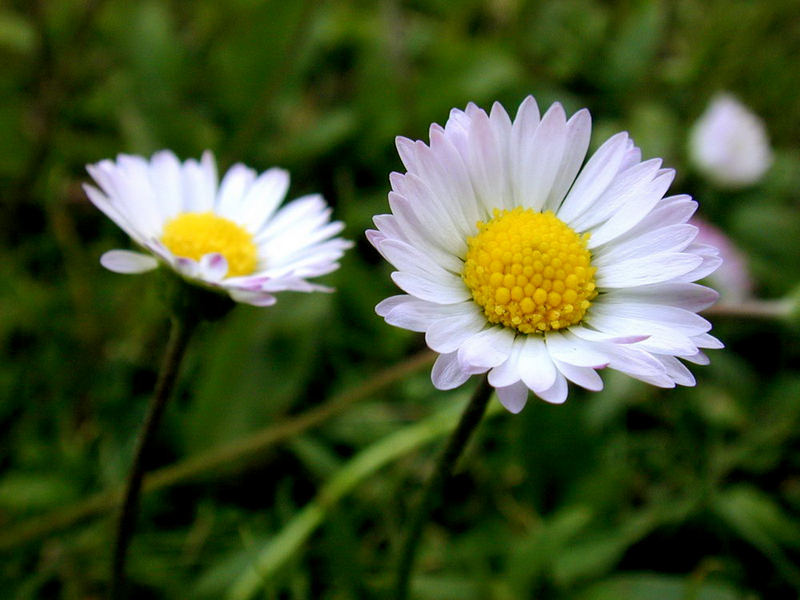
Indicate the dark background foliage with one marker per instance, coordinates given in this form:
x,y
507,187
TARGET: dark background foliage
x,y
631,493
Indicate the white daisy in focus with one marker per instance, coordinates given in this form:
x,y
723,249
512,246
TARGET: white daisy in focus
x,y
228,236
729,144
517,262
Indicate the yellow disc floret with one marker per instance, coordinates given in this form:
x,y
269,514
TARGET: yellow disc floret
x,y
529,271
191,235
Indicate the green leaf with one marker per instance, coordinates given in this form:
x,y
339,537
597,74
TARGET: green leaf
x,y
649,586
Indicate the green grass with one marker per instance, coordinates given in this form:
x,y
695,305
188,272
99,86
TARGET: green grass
x,y
632,493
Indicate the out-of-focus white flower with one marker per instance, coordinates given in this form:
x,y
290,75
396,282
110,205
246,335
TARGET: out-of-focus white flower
x,y
519,262
732,278
729,144
228,236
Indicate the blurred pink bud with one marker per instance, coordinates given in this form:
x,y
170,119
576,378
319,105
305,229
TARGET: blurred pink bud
x,y
732,279
729,144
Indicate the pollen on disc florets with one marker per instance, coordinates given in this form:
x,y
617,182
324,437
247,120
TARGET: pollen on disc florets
x,y
529,271
192,235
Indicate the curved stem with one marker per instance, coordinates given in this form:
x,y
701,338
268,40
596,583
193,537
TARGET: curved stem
x,y
470,419
180,332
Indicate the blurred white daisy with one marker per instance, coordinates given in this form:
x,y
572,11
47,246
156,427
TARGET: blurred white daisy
x,y
229,236
729,144
518,262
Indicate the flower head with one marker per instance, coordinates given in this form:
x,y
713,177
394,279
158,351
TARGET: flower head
x,y
229,236
518,262
729,144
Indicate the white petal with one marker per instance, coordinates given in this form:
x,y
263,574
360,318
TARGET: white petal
x,y
262,199
710,262
590,335
447,373
672,210
536,160
513,397
485,157
232,190
662,339
165,179
112,212
418,234
706,340
579,131
255,298
199,184
131,197
689,296
677,370
627,186
685,321
443,221
410,260
213,267
586,377
571,349
450,290
485,350
442,171
594,178
405,148
411,313
136,190
699,359
638,364
631,213
187,267
655,268
535,366
557,393
446,334
507,373
125,261
673,238
297,213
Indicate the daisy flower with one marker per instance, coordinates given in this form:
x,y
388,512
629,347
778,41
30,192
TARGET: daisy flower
x,y
519,262
230,236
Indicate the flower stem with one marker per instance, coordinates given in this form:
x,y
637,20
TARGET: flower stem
x,y
180,332
226,458
753,309
470,419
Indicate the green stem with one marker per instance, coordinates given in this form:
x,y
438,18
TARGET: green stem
x,y
180,332
470,419
231,457
286,543
753,309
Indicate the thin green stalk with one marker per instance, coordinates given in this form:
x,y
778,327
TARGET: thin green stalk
x,y
754,309
222,459
470,419
290,539
180,332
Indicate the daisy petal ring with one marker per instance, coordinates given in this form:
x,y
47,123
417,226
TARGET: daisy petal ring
x,y
520,261
229,236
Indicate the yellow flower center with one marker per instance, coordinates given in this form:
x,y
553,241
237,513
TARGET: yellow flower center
x,y
191,235
529,271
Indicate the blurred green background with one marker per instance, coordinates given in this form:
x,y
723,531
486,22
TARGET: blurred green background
x,y
631,493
